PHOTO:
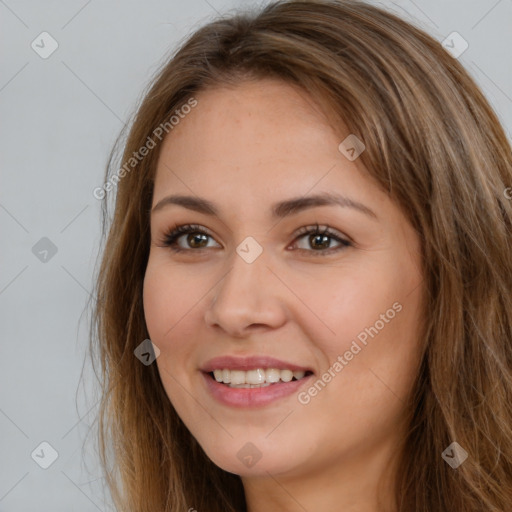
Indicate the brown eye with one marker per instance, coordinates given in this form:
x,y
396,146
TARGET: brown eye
x,y
320,241
196,239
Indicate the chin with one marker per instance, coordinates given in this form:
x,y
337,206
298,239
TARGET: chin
x,y
258,457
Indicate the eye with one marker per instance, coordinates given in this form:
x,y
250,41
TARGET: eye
x,y
197,239
320,240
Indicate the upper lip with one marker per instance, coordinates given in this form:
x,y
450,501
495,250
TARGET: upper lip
x,y
250,363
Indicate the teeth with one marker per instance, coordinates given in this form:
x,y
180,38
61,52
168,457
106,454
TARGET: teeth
x,y
237,377
286,375
272,375
255,378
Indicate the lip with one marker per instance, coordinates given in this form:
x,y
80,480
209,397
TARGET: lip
x,y
252,397
250,363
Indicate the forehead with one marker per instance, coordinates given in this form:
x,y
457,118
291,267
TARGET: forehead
x,y
256,134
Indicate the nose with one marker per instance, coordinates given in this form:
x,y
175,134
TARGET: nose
x,y
247,298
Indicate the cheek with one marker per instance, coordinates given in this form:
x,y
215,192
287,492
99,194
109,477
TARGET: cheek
x,y
371,319
166,320
364,384
158,306
166,317
345,303
167,297
172,302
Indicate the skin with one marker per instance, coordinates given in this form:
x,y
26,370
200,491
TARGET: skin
x,y
245,148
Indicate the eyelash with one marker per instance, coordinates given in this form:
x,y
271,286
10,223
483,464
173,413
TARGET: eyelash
x,y
171,237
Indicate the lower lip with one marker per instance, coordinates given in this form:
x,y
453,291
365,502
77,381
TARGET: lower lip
x,y
252,397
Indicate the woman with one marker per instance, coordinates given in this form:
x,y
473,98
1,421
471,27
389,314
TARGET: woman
x,y
312,227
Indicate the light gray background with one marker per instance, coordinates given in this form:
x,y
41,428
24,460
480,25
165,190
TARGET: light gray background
x,y
59,118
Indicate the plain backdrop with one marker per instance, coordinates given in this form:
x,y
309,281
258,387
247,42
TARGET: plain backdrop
x,y
59,117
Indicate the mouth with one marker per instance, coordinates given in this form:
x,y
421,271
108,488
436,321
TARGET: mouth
x,y
257,378
253,381
256,388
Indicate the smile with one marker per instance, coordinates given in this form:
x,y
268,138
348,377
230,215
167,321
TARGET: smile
x,y
246,395
259,377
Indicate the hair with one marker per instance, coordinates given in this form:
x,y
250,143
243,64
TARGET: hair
x,y
437,148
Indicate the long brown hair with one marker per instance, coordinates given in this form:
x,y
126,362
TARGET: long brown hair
x,y
436,146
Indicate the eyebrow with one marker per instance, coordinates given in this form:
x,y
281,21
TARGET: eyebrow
x,y
279,210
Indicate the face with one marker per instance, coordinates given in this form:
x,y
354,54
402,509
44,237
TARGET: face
x,y
271,281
